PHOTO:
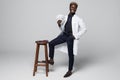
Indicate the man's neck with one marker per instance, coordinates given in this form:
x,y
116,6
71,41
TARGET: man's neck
x,y
72,14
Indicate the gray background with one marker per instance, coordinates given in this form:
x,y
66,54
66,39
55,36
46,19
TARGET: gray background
x,y
22,22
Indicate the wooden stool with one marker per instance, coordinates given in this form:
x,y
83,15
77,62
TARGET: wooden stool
x,y
40,63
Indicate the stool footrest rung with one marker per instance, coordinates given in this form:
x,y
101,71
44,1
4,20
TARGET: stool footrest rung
x,y
41,61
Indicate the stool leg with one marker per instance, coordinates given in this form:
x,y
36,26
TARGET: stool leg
x,y
36,59
37,51
46,57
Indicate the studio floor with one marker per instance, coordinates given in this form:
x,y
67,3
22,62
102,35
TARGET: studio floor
x,y
19,66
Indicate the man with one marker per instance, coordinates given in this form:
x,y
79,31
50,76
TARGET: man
x,y
69,34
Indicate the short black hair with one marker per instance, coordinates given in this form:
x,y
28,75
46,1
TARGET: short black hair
x,y
74,3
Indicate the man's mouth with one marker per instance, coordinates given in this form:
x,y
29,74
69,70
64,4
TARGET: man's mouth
x,y
72,10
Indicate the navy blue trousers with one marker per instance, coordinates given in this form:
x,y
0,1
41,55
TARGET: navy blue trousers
x,y
61,39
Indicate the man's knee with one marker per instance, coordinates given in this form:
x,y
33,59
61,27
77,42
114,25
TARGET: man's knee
x,y
71,55
51,43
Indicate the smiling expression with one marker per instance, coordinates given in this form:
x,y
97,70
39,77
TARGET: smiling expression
x,y
73,8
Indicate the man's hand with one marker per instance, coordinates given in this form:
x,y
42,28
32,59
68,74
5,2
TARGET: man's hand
x,y
59,22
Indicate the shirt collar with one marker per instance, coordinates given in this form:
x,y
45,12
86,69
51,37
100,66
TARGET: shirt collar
x,y
71,14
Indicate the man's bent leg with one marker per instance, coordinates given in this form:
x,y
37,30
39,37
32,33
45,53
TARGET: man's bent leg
x,y
60,39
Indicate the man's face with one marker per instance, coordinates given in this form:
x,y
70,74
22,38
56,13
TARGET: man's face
x,y
73,9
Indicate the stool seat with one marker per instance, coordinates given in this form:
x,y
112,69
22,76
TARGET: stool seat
x,y
40,63
42,42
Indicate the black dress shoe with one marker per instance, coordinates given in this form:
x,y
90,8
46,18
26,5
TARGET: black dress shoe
x,y
69,73
49,61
